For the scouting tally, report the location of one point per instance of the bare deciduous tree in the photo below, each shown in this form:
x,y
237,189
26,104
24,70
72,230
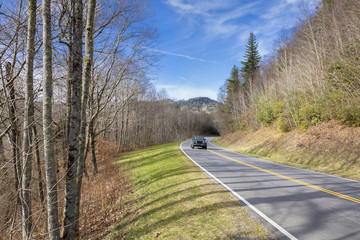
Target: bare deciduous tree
x,y
88,63
73,148
49,158
29,120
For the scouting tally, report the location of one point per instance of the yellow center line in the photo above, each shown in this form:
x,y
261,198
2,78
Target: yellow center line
x,y
293,179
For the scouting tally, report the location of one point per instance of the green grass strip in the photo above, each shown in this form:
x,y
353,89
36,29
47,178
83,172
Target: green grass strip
x,y
174,199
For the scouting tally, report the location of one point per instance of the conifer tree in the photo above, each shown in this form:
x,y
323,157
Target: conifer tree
x,y
252,56
233,83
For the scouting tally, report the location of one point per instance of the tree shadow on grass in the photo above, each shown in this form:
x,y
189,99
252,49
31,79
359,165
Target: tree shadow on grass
x,y
167,205
161,175
145,161
207,209
174,194
173,185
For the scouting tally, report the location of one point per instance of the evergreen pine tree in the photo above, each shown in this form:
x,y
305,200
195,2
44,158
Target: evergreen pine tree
x,y
233,83
252,57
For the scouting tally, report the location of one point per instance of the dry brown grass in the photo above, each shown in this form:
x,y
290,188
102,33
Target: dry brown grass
x,y
101,197
102,201
330,147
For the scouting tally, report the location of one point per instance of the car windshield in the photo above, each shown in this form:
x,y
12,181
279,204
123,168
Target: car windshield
x,y
198,138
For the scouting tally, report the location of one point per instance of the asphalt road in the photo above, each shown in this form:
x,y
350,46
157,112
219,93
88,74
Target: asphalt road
x,y
300,204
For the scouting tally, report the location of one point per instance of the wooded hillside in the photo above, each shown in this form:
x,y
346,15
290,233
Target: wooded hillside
x,y
73,71
312,75
203,104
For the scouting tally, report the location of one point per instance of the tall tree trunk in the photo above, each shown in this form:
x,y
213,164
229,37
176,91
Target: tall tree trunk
x,y
73,149
88,63
121,141
2,152
14,132
91,135
28,121
92,149
126,140
69,80
51,195
116,124
38,164
68,95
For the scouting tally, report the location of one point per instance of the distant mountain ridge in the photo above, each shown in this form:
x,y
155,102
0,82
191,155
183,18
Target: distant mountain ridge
x,y
203,104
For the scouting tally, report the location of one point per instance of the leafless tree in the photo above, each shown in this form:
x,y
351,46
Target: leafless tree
x,y
88,63
28,122
49,158
73,148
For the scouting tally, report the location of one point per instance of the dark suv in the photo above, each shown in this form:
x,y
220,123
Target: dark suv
x,y
198,141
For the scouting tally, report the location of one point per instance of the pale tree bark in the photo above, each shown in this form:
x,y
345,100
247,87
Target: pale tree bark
x,y
51,193
88,63
73,148
28,121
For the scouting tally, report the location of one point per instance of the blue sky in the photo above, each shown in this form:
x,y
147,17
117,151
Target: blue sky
x,y
201,40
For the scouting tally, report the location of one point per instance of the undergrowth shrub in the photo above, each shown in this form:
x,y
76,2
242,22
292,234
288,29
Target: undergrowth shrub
x,y
351,115
344,75
336,98
265,111
340,100
343,84
310,115
248,119
285,122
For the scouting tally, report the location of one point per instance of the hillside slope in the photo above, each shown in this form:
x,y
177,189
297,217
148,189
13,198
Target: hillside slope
x,y
204,104
329,147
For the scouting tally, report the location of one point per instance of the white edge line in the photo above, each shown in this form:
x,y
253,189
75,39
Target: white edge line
x,y
269,220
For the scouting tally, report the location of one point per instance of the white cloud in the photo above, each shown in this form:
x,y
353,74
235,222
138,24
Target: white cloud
x,y
294,1
212,20
183,78
180,6
202,7
216,18
179,92
223,18
182,55
263,48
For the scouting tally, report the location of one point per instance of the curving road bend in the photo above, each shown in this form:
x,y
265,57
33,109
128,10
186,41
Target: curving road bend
x,y
301,204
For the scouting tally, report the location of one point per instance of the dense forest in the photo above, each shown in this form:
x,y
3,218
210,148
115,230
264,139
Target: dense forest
x,y
312,75
74,71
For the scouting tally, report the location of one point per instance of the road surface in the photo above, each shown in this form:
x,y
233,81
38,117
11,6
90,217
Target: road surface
x,y
300,204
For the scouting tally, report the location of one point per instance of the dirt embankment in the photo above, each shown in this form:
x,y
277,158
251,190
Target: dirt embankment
x,y
330,147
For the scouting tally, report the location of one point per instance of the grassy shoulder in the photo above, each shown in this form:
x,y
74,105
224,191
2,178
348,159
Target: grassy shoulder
x,y
173,199
329,148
